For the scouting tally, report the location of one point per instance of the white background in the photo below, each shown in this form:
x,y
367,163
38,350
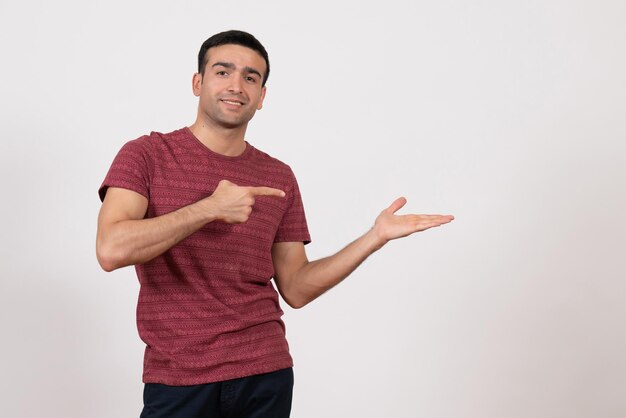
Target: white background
x,y
508,114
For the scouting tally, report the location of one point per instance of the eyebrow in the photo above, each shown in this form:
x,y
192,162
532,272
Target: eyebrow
x,y
230,65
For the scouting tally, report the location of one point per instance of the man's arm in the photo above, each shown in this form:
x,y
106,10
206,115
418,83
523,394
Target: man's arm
x,y
300,281
125,238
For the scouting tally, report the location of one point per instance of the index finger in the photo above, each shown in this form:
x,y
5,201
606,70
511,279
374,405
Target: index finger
x,y
266,191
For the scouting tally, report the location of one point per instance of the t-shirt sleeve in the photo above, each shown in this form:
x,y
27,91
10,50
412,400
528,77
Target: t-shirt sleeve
x,y
293,226
130,169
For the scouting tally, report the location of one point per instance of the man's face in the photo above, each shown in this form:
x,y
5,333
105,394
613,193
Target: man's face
x,y
230,90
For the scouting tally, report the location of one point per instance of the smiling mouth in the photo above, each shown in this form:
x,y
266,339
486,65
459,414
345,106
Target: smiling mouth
x,y
232,102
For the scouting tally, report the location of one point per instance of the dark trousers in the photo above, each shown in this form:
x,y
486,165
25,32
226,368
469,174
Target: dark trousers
x,y
261,396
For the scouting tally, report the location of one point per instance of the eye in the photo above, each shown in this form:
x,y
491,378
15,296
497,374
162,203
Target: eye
x,y
251,79
222,72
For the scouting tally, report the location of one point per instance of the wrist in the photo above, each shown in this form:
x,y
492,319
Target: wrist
x,y
374,237
209,209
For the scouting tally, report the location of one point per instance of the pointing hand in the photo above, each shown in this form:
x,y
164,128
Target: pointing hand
x,y
233,203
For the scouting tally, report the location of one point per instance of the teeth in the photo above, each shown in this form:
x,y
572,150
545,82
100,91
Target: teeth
x,y
232,103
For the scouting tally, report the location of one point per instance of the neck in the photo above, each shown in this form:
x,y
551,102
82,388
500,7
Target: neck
x,y
222,140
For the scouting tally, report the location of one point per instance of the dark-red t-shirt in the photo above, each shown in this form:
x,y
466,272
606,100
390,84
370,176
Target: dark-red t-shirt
x,y
207,308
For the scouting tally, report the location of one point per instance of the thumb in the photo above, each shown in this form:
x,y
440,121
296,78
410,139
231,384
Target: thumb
x,y
396,205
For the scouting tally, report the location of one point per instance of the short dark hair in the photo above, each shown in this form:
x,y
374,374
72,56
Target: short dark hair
x,y
233,37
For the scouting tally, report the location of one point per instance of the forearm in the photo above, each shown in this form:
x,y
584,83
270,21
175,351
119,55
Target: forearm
x,y
316,277
124,238
301,281
131,242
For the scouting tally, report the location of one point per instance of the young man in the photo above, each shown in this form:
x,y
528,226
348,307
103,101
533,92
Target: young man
x,y
208,220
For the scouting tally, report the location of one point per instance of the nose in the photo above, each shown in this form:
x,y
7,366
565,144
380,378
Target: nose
x,y
235,84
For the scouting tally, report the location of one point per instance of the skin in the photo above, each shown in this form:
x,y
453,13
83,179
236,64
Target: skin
x,y
234,73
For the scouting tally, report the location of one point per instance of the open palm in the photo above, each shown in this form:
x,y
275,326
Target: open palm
x,y
390,226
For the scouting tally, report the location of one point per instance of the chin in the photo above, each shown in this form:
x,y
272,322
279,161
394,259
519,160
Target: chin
x,y
231,124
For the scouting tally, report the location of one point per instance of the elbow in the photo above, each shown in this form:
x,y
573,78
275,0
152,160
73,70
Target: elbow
x,y
299,297
296,302
107,258
297,305
106,265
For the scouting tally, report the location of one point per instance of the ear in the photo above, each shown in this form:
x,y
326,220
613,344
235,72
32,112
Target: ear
x,y
196,84
263,91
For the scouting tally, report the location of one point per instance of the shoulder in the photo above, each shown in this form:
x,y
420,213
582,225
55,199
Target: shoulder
x,y
152,143
272,163
143,144
154,138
